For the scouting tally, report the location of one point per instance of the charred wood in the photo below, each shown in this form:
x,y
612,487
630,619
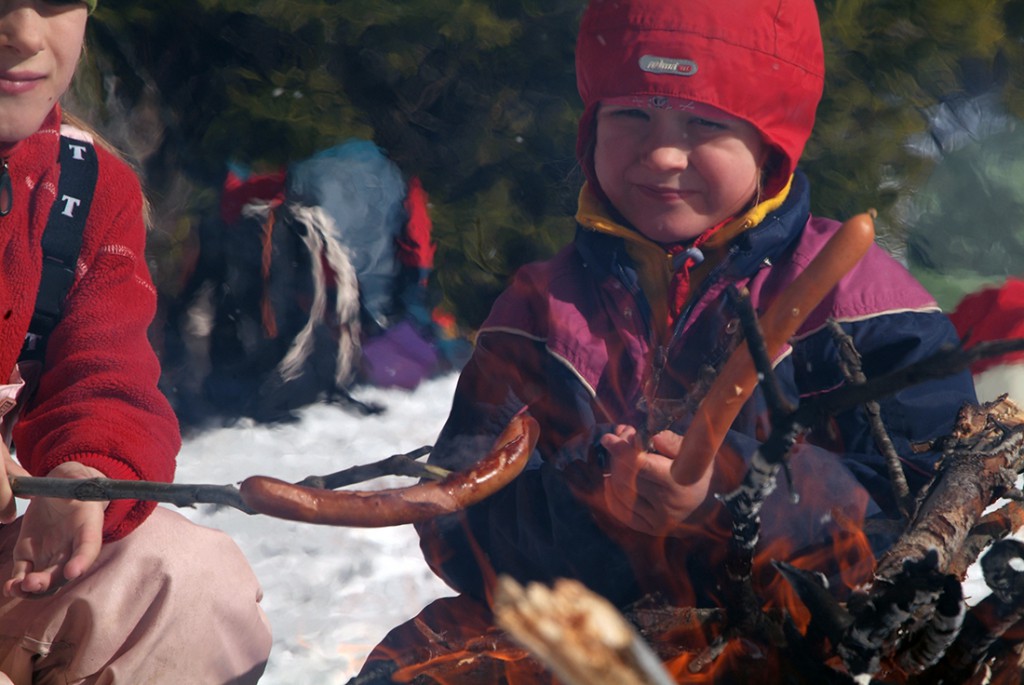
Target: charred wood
x,y
998,612
992,527
938,635
889,608
829,618
980,462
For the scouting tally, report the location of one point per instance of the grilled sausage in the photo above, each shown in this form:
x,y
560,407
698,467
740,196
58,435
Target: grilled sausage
x,y
397,506
738,378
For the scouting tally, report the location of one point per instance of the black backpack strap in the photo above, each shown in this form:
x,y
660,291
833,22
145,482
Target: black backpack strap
x,y
62,238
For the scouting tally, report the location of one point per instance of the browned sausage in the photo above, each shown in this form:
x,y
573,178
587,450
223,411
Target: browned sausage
x,y
382,508
738,378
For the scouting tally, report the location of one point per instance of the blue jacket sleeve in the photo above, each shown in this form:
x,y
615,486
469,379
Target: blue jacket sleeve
x,y
913,417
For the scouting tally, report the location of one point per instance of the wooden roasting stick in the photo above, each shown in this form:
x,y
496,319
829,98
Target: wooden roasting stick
x,y
272,497
738,377
381,508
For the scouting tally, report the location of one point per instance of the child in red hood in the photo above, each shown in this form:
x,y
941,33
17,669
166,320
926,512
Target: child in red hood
x,y
696,113
118,592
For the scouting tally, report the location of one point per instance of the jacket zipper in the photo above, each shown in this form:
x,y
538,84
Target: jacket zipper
x,y
6,190
659,359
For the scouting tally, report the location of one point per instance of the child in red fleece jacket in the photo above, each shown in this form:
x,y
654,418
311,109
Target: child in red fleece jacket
x,y
81,601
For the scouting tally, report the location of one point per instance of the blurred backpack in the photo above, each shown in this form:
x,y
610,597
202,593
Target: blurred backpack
x,y
310,263
362,192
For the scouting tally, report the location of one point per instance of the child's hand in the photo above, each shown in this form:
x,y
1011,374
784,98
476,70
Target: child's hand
x,y
639,491
59,539
8,467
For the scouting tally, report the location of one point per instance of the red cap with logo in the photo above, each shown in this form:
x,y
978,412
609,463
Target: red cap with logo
x,y
759,60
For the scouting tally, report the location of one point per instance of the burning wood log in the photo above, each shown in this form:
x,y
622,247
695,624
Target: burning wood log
x,y
940,632
980,463
886,611
913,611
989,621
579,635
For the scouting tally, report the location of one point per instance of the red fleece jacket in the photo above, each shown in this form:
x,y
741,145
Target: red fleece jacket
x,y
97,401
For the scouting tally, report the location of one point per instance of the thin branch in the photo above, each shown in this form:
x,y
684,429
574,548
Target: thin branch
x,y
395,465
189,494
107,489
940,365
850,363
778,405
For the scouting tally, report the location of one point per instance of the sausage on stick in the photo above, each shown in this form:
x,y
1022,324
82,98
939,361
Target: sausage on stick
x,y
397,506
738,377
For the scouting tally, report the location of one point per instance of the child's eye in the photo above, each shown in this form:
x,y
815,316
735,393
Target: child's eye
x,y
629,113
709,124
62,3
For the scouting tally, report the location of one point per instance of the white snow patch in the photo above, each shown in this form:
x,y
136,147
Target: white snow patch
x,y
331,594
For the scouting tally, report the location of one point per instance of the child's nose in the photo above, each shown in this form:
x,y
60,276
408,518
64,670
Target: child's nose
x,y
668,156
667,147
20,30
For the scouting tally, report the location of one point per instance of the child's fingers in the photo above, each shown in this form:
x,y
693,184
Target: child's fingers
x,y
88,542
8,505
623,451
8,467
667,443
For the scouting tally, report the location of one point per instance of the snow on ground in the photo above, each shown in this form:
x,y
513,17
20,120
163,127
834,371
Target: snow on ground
x,y
330,593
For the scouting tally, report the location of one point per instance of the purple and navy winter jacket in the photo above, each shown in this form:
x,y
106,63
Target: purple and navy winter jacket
x,y
571,340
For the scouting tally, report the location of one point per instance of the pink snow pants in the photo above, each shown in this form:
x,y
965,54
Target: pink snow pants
x,y
173,602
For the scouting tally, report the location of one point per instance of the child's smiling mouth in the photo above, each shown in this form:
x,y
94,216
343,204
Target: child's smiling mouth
x,y
15,83
664,193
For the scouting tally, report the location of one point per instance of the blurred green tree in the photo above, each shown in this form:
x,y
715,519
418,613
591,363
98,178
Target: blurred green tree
x,y
478,99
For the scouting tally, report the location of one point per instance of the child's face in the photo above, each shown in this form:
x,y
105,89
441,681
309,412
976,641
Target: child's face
x,y
674,173
40,43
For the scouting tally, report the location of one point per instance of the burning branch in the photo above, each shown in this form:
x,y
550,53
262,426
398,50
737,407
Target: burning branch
x,y
912,618
991,618
980,463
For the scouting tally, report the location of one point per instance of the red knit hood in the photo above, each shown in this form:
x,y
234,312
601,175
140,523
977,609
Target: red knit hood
x,y
759,60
